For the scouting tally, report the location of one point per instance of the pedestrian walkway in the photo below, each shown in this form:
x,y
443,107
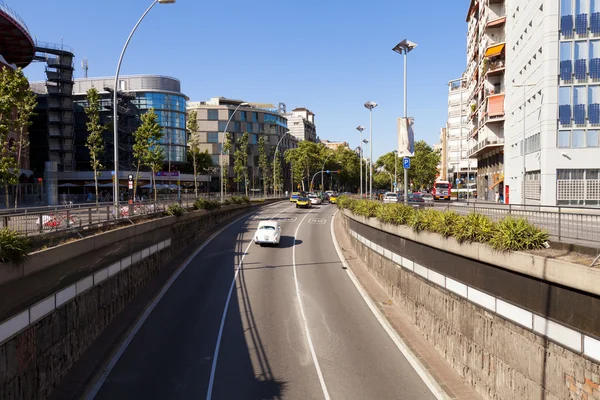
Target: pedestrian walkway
x,y
437,367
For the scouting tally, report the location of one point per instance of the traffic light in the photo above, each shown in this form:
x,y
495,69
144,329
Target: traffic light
x,y
339,170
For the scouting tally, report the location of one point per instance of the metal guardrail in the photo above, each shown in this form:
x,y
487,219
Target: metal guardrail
x,y
41,220
568,224
16,17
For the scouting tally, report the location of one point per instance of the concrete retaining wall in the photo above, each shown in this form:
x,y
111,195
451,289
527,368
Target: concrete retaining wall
x,y
41,342
503,349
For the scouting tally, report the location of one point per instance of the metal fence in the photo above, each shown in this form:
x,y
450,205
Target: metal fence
x,y
40,220
564,223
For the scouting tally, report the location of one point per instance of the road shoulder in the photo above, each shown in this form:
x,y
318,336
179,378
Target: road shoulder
x,y
432,365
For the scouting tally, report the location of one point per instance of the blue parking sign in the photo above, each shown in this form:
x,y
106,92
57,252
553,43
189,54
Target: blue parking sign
x,y
406,162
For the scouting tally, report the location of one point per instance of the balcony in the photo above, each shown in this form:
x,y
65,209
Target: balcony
x,y
485,146
496,23
495,68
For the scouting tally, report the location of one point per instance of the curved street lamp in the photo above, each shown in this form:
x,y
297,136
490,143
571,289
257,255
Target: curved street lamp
x,y
115,113
366,142
360,129
222,143
370,105
274,154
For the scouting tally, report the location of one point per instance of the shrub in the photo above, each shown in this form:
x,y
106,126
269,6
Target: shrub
x,y
474,228
13,247
397,214
424,220
202,204
175,209
236,200
226,202
446,223
517,234
343,202
246,200
366,208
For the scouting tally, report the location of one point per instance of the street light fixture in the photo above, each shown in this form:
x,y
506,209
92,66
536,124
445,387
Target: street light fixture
x,y
115,113
222,143
360,129
395,171
274,160
524,86
370,105
366,142
405,47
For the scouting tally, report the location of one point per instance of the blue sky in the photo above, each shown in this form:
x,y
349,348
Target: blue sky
x,y
328,56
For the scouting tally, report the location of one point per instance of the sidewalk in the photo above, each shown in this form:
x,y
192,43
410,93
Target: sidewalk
x,y
437,367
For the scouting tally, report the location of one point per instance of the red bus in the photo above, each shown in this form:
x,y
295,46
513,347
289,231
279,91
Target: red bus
x,y
441,190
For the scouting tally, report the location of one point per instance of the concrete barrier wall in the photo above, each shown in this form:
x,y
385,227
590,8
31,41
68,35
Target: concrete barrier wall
x,y
504,349
41,342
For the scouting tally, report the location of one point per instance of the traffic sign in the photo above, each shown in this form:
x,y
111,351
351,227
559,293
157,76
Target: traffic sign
x,y
406,162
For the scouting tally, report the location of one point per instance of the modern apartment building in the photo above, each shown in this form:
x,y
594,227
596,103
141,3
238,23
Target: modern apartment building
x,y
459,169
256,119
301,122
485,81
334,145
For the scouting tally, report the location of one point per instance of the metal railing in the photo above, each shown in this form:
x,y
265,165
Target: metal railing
x,y
569,224
12,14
32,221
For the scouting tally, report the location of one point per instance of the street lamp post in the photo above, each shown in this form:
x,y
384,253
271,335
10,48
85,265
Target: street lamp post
x,y
322,178
366,142
395,171
274,154
524,86
115,113
404,47
360,129
370,105
222,143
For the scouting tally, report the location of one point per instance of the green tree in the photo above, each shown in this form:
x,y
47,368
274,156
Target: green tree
x,y
306,158
348,162
276,171
147,150
224,171
11,85
194,144
240,164
423,165
263,164
94,141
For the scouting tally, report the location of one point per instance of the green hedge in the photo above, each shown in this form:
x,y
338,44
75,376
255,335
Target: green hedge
x,y
202,204
507,234
13,247
175,209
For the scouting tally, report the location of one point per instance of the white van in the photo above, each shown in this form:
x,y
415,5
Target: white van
x,y
268,232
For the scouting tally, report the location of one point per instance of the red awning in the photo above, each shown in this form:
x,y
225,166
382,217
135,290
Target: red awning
x,y
496,22
496,105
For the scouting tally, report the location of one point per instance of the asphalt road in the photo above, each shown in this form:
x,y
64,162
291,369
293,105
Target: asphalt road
x,y
295,325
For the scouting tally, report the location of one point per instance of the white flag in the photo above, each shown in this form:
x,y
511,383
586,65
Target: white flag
x,y
406,137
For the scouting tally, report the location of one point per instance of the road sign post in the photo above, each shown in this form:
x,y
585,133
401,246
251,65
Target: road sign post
x,y
406,162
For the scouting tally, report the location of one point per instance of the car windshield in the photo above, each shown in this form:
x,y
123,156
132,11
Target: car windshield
x,y
312,196
390,195
441,185
267,228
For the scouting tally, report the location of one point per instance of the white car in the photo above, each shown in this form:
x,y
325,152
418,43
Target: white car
x,y
314,199
390,197
268,232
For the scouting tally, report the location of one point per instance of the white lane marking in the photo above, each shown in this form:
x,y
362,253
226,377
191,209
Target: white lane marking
x,y
98,385
308,337
213,369
431,384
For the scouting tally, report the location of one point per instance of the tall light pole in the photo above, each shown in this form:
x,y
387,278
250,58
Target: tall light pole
x,y
395,171
524,86
274,154
404,47
360,129
222,143
322,168
366,142
115,113
370,105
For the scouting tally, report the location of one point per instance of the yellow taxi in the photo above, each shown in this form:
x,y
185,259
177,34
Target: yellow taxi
x,y
303,202
294,197
333,198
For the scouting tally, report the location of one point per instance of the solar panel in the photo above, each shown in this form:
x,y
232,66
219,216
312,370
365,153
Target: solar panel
x,y
566,25
581,24
566,70
595,68
564,114
580,69
594,113
595,23
579,114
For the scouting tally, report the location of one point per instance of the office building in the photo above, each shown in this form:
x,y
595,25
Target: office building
x,y
256,119
484,77
334,145
301,122
459,169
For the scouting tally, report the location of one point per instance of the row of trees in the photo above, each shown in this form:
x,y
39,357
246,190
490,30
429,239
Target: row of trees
x,y
17,104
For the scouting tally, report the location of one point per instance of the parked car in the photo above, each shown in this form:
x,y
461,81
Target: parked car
x,y
268,232
390,197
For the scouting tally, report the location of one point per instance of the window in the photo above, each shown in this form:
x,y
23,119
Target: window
x,y
581,6
213,115
249,127
215,159
564,139
254,117
533,187
230,114
577,187
237,126
532,143
253,139
578,138
566,63
222,126
591,138
594,6
212,137
564,105
242,115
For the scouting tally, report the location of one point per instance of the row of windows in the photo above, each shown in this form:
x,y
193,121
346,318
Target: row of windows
x,y
578,138
213,137
578,7
171,119
579,95
163,101
532,143
578,186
